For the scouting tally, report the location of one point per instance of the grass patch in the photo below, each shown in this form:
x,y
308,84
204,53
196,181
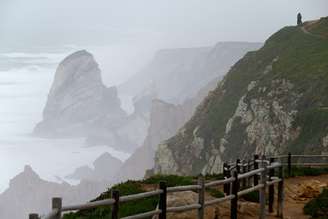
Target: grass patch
x,y
306,171
252,197
215,193
126,209
318,207
133,187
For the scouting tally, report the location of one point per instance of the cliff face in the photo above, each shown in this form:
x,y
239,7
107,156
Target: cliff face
x,y
178,74
272,101
78,99
28,193
165,121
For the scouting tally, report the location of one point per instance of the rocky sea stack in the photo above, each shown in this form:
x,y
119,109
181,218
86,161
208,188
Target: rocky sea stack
x,y
78,100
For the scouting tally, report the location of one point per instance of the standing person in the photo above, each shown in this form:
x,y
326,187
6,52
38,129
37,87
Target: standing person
x,y
299,19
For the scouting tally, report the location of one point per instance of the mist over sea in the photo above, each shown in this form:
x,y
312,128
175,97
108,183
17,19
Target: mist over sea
x,y
25,80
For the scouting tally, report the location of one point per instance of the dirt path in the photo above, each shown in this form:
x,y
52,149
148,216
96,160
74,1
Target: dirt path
x,y
298,191
295,198
307,25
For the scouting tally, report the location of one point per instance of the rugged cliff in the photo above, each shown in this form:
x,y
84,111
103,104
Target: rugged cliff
x,y
272,101
78,101
165,120
80,105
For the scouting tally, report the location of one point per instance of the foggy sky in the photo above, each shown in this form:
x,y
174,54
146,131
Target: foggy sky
x,y
143,26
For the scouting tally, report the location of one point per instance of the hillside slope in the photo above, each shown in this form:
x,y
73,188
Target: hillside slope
x,y
271,101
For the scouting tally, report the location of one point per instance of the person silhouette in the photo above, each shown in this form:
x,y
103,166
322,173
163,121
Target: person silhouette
x,y
299,19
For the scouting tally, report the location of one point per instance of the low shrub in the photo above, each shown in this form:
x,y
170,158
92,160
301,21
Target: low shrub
x,y
306,171
252,197
318,207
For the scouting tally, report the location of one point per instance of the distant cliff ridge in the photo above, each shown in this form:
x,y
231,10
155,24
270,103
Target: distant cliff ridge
x,y
28,193
104,168
178,74
272,101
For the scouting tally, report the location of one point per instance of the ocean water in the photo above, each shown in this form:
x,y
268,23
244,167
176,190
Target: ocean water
x,y
25,79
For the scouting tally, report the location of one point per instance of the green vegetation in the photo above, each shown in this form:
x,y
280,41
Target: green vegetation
x,y
307,171
215,192
315,126
128,188
252,197
321,28
318,207
126,209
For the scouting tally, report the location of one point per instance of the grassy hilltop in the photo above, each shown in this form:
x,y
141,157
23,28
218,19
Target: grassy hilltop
x,y
272,101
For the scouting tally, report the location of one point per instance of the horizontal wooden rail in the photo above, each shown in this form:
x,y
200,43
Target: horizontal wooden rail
x,y
250,173
262,161
182,188
299,155
309,156
249,190
219,182
306,164
273,181
274,165
184,208
89,205
139,196
219,200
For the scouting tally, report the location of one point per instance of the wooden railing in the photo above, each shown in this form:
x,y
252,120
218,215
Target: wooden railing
x,y
240,179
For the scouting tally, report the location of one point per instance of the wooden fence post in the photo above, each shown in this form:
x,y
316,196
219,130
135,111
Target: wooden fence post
x,y
225,186
234,201
162,200
57,205
280,193
256,166
116,205
33,216
244,168
248,169
289,164
262,190
228,176
238,166
201,197
271,187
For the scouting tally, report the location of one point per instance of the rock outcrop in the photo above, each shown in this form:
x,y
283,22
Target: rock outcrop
x,y
270,102
166,119
28,193
78,101
105,167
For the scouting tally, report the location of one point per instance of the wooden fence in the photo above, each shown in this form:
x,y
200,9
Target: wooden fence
x,y
240,178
